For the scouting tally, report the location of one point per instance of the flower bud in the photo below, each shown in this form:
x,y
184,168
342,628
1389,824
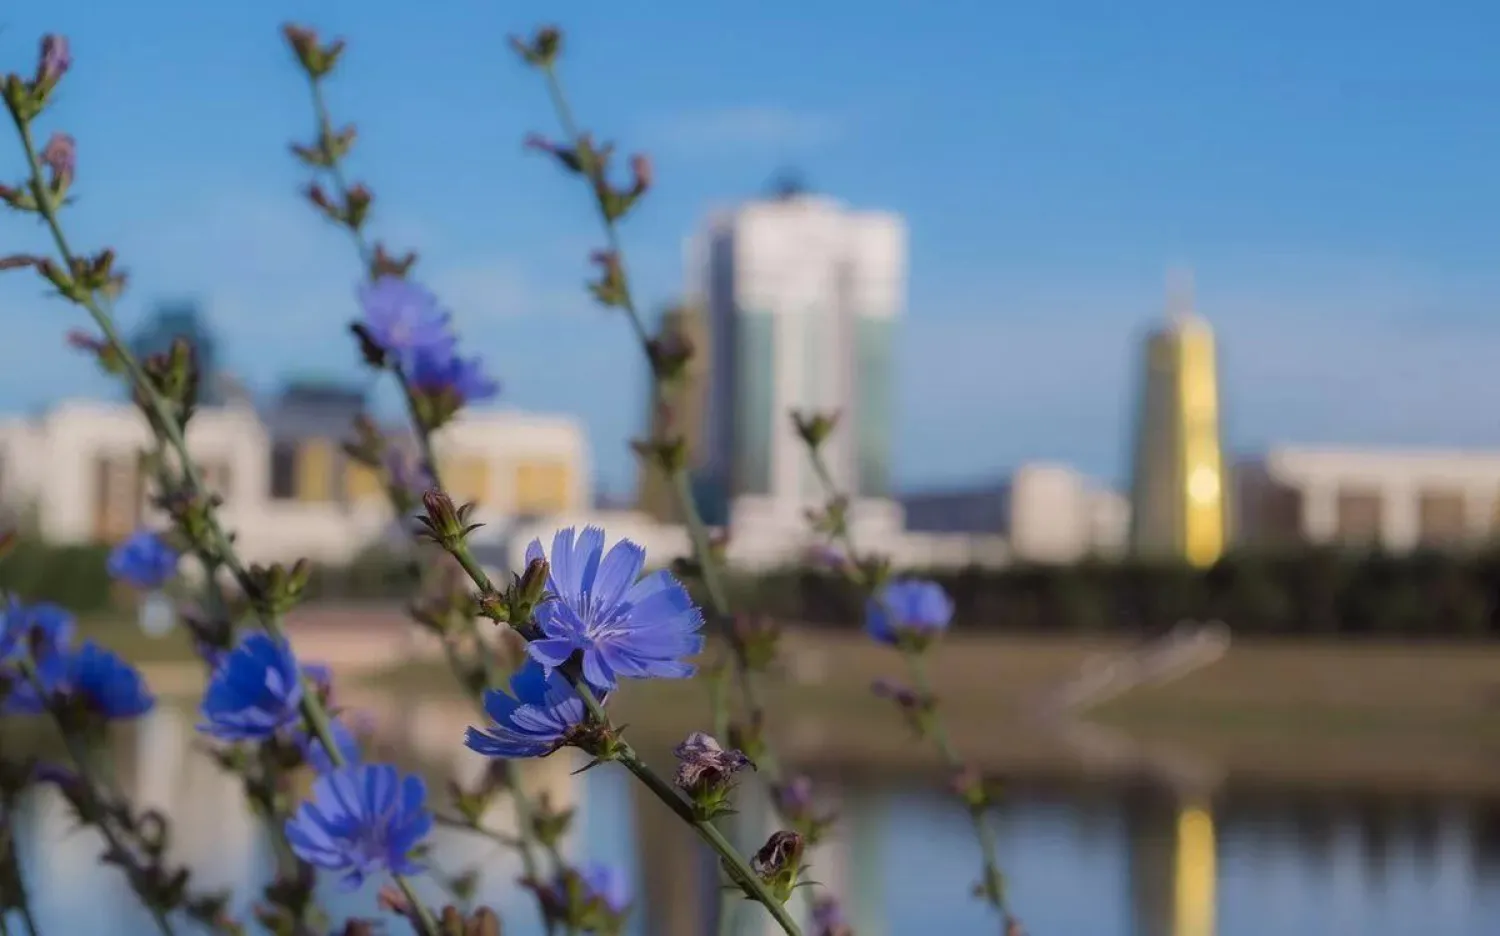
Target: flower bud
x,y
60,156
706,773
670,353
759,638
55,60
550,825
778,864
277,589
383,264
356,207
445,523
542,49
531,588
609,289
316,60
814,428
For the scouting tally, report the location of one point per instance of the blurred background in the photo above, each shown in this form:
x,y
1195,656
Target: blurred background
x,y
1164,338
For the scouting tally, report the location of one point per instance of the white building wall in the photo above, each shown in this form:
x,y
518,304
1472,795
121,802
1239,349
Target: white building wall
x,y
50,462
1398,476
816,268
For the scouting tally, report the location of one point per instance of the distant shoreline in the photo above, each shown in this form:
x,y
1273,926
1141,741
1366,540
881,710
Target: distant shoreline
x,y
1324,712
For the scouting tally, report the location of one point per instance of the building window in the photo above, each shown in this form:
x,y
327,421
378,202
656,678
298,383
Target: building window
x,y
1441,518
467,478
218,478
362,483
283,470
1359,517
1281,520
315,471
755,407
542,488
873,409
117,497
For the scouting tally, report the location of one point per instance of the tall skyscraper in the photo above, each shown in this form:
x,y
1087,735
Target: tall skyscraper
x,y
802,296
685,400
1177,490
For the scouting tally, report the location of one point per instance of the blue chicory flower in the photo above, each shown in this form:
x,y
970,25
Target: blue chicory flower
x,y
908,609
42,628
105,685
533,720
144,560
440,372
623,626
404,319
363,819
255,691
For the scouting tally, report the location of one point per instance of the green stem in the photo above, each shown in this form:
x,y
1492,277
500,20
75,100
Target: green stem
x,y
937,730
166,423
520,802
739,869
686,504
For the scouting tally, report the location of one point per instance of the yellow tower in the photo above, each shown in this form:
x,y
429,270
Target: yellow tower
x,y
1177,491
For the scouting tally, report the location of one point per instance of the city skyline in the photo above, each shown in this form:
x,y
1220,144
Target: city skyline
x,y
1348,279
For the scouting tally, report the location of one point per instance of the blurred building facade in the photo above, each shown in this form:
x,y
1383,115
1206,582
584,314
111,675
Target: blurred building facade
x,y
1395,500
1047,513
802,296
683,416
1177,493
289,490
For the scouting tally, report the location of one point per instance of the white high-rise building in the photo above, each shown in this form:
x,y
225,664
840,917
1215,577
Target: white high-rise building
x,y
802,296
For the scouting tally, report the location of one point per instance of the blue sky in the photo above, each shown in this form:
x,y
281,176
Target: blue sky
x,y
1330,171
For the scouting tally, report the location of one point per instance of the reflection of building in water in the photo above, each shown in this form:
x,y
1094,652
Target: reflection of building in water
x,y
682,878
1173,867
212,832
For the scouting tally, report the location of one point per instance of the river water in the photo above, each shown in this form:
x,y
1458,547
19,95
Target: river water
x,y
1084,858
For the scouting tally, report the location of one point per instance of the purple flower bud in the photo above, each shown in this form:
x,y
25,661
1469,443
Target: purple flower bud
x,y
706,772
778,864
55,61
61,156
828,918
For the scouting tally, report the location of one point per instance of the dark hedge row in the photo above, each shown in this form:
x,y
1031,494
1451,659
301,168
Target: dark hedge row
x,y
1312,592
74,576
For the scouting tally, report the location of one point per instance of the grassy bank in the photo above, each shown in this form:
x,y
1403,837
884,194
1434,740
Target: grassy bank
x,y
1335,712
1317,709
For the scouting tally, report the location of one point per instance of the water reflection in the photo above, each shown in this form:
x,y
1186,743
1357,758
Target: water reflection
x,y
1101,859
